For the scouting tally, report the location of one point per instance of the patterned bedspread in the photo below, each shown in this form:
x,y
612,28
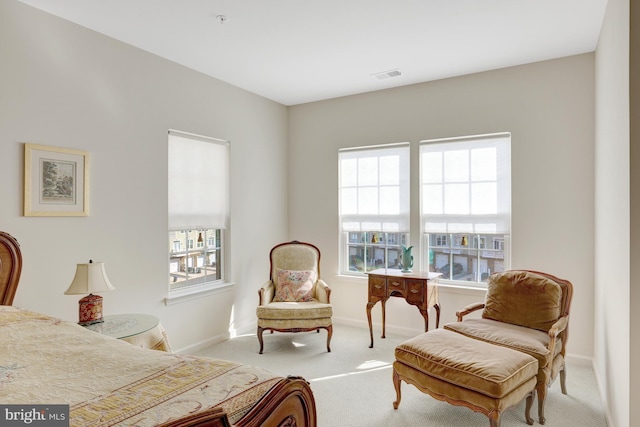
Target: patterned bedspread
x,y
107,382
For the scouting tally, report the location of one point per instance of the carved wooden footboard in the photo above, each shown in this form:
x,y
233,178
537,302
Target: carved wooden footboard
x,y
10,267
213,417
289,403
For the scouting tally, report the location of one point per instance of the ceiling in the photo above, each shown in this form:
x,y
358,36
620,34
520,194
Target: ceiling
x,y
296,51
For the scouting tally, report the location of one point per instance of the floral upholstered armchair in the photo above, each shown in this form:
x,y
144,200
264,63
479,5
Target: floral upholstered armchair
x,y
527,311
295,298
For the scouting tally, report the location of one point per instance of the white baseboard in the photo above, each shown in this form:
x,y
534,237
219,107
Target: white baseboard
x,y
203,344
578,360
249,329
377,327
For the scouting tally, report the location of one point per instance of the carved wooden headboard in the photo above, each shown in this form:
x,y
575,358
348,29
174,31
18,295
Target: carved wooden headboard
x,y
10,267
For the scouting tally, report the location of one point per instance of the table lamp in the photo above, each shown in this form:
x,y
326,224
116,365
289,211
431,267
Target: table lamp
x,y
90,278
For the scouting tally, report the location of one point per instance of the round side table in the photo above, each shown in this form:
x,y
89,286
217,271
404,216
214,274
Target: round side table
x,y
142,330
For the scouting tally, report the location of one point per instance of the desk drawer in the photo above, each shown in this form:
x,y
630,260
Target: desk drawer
x,y
416,290
396,286
378,286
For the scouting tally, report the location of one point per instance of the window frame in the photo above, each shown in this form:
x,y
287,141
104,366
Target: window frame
x,y
217,223
449,232
367,222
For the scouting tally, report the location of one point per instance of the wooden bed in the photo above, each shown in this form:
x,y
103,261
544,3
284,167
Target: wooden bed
x,y
108,382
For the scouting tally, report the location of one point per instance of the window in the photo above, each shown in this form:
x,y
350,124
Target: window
x,y
374,206
198,210
189,265
466,205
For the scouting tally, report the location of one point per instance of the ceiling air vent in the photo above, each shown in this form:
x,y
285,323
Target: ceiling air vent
x,y
387,74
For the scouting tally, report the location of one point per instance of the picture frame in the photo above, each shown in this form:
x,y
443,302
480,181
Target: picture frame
x,y
56,181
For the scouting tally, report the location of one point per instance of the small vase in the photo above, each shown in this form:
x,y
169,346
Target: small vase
x,y
407,259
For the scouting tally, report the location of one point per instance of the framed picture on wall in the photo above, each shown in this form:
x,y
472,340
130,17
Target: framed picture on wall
x,y
56,181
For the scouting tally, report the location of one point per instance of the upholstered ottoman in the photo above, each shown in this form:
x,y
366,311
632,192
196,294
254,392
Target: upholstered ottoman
x,y
466,372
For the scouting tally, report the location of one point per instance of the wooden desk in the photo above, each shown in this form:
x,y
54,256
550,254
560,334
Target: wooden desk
x,y
417,288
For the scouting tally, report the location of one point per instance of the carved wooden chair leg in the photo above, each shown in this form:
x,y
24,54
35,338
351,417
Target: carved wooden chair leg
x,y
260,330
563,379
494,422
541,389
396,385
329,334
527,409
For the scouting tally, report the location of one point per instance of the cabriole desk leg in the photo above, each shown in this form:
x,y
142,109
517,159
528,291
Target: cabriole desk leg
x,y
369,306
425,316
384,322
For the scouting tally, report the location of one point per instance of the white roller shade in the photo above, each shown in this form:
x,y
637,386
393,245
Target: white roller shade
x,y
198,182
374,188
466,184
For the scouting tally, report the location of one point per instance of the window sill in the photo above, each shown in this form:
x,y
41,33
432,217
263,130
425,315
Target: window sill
x,y
195,292
352,276
461,288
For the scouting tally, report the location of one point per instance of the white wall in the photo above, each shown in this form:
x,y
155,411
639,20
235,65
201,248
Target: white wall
x,y
63,85
612,213
634,121
549,109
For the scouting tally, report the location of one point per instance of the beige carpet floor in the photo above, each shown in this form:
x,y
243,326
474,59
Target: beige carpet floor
x,y
352,385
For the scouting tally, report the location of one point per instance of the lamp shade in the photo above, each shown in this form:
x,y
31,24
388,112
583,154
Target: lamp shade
x,y
90,278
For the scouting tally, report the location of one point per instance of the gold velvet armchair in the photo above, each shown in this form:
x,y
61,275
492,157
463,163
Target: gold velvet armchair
x,y
295,298
526,311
